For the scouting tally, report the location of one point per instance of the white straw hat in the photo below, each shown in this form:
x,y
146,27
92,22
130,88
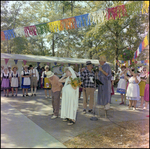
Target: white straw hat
x,y
49,74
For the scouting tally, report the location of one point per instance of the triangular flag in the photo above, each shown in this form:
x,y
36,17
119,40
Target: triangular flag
x,y
24,61
16,61
6,61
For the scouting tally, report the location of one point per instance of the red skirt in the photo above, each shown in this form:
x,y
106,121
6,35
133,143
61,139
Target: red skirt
x,y
112,90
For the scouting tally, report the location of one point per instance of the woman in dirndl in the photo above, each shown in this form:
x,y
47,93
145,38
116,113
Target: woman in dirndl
x,y
14,79
45,82
5,79
25,74
142,84
146,93
122,84
133,93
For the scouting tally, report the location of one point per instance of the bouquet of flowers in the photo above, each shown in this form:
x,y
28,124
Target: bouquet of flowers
x,y
75,82
127,54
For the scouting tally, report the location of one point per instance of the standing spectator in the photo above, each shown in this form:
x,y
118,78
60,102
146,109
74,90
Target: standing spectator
x,y
2,68
40,74
80,88
87,77
42,70
25,74
112,84
133,93
122,84
45,82
146,93
10,71
14,79
56,89
5,81
34,79
142,84
104,91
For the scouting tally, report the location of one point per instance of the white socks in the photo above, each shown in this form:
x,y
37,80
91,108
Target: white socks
x,y
34,90
31,90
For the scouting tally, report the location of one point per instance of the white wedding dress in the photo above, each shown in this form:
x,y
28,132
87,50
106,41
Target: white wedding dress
x,y
69,104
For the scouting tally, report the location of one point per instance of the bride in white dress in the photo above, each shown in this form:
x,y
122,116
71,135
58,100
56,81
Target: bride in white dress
x,y
69,104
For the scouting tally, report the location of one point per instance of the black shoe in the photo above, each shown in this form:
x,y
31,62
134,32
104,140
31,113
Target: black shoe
x,y
34,94
65,120
23,96
7,95
31,95
84,111
12,95
4,95
27,95
16,95
71,123
90,110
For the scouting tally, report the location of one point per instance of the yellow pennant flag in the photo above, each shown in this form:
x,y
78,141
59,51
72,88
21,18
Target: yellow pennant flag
x,y
145,7
51,26
145,42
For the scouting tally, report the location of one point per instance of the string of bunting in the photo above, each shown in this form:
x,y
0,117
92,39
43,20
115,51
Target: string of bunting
x,y
68,23
141,47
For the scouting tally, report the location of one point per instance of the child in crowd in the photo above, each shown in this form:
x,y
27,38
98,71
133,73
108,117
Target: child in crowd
x,y
122,84
133,93
15,80
5,81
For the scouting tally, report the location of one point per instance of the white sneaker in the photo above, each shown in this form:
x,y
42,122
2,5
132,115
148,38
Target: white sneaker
x,y
107,106
45,96
53,117
133,109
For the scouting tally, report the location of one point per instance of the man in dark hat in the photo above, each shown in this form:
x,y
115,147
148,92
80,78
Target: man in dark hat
x,y
87,79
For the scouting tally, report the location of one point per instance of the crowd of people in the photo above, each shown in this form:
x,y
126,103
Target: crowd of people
x,y
137,86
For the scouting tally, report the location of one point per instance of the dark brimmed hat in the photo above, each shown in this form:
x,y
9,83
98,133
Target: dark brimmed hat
x,y
123,67
88,63
30,66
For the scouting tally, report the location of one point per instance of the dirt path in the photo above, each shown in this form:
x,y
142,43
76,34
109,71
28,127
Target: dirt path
x,y
135,135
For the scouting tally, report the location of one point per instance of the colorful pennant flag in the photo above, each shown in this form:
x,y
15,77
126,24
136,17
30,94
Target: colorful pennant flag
x,y
19,32
24,61
6,61
30,31
9,34
16,61
2,35
42,28
145,7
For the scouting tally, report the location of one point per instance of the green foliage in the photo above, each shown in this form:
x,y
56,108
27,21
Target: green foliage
x,y
127,54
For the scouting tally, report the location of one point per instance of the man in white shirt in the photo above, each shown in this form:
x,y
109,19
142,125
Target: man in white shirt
x,y
34,79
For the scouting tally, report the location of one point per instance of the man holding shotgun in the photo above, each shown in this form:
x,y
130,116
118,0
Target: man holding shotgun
x,y
88,84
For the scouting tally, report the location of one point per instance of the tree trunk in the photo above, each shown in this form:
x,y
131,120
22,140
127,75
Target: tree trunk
x,y
53,46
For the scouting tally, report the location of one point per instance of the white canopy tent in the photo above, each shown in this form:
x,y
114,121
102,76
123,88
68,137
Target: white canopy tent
x,y
41,59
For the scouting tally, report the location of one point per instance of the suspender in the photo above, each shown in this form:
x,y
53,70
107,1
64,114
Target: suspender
x,y
5,76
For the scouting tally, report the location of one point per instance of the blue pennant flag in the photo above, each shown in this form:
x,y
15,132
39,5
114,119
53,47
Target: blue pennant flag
x,y
140,48
78,21
85,16
16,61
38,63
55,63
9,34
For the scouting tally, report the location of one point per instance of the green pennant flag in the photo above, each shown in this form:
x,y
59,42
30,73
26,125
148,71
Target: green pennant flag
x,y
42,28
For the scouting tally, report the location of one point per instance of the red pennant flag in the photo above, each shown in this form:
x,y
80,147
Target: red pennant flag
x,y
2,36
24,61
6,61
